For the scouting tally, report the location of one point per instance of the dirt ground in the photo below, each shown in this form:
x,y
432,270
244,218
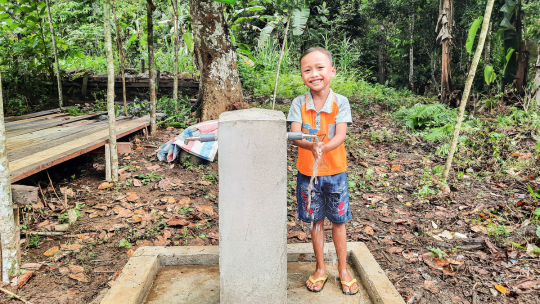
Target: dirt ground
x,y
412,224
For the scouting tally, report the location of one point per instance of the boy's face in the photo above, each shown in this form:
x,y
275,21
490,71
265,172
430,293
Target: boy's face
x,y
317,71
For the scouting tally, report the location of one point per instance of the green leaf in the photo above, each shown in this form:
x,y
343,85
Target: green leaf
x,y
256,8
188,38
538,231
506,24
265,33
537,212
508,56
489,74
299,20
472,33
231,2
4,15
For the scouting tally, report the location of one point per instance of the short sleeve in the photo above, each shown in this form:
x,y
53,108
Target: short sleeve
x,y
344,113
295,112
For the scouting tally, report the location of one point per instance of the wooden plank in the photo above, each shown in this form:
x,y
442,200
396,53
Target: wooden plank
x,y
16,132
35,119
26,144
47,158
24,195
31,115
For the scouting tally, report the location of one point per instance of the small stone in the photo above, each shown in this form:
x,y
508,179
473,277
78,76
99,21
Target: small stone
x,y
434,225
61,227
459,235
72,216
494,292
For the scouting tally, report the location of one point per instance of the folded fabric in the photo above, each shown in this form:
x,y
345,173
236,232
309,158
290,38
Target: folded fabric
x,y
169,150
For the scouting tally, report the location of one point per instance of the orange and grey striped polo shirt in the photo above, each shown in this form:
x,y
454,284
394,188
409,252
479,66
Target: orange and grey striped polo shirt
x,y
336,110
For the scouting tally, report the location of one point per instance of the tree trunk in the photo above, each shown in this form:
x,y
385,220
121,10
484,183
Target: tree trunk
x,y
280,58
446,20
411,54
176,46
468,85
220,85
110,89
57,67
151,65
382,76
8,229
487,55
121,55
537,78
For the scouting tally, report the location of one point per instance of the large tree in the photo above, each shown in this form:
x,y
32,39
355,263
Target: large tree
x,y
444,28
215,57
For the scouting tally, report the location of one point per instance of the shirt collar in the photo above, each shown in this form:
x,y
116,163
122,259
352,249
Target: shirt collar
x,y
327,104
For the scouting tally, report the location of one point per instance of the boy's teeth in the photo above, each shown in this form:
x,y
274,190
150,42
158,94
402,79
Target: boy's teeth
x,y
316,81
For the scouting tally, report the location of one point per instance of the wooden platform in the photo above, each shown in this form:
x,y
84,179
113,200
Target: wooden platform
x,y
41,140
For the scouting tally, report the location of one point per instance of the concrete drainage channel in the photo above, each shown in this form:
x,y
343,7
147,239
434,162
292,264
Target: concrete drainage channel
x,y
190,274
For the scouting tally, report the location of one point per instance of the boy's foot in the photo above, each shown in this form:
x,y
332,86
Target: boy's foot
x,y
346,277
316,286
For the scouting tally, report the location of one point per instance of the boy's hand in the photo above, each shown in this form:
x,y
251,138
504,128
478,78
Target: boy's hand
x,y
316,149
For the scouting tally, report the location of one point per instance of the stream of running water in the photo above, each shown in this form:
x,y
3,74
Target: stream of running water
x,y
313,180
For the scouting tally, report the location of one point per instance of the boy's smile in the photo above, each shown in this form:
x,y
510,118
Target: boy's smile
x,y
317,71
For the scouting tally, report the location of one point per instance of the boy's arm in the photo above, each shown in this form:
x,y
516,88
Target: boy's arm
x,y
338,139
304,144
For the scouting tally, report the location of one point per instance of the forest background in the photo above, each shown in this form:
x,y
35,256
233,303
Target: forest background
x,y
378,46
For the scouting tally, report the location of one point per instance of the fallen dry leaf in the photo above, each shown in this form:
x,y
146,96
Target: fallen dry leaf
x,y
132,196
447,270
105,185
177,222
171,200
32,266
129,253
64,270
500,288
395,249
184,201
142,243
363,164
208,210
161,241
72,292
212,234
299,234
79,277
74,247
369,230
51,251
66,191
395,168
76,268
137,183
22,279
527,284
205,183
429,285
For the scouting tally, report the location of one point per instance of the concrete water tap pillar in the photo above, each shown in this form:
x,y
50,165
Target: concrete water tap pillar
x,y
253,206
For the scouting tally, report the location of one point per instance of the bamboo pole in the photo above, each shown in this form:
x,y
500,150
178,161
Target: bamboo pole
x,y
8,228
281,57
151,65
121,55
110,89
175,64
56,65
468,85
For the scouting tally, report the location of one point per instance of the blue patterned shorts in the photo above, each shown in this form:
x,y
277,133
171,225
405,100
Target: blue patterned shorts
x,y
330,198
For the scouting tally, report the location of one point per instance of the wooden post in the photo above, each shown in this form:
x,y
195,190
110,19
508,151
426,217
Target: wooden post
x,y
175,63
84,84
143,69
8,231
150,8
108,163
110,90
56,65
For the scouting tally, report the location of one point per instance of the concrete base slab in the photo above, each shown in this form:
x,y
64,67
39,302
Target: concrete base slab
x,y
200,285
191,275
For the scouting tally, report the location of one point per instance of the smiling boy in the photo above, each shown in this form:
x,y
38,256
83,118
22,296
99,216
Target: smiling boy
x,y
327,114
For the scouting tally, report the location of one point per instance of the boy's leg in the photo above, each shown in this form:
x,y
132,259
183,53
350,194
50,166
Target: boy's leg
x,y
317,238
339,236
338,211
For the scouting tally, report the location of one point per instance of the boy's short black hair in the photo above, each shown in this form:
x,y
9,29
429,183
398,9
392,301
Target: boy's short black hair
x,y
319,49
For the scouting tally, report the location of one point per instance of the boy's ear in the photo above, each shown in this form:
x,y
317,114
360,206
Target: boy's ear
x,y
333,71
